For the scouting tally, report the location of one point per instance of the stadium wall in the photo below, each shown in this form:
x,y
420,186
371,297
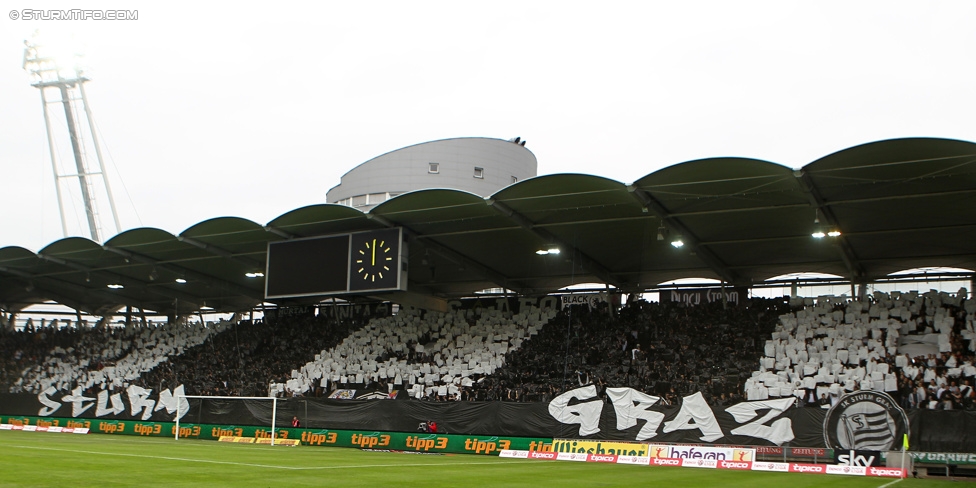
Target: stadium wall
x,y
371,439
626,415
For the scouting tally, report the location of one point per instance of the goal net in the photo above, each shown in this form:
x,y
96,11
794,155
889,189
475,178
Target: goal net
x,y
273,400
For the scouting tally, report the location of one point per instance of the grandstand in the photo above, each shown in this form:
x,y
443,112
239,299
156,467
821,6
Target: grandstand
x,y
532,364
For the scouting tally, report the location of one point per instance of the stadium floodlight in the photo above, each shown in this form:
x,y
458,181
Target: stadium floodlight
x,y
256,274
553,250
833,233
180,281
55,65
542,252
678,242
115,286
818,229
52,60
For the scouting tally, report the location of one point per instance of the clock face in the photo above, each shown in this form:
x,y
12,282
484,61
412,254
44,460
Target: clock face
x,y
374,260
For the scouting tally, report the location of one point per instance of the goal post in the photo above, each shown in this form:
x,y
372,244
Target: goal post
x,y
274,409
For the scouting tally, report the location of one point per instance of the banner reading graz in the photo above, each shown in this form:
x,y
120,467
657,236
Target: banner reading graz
x,y
622,414
396,441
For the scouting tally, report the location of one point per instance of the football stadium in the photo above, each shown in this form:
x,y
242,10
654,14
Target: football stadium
x,y
451,313
563,327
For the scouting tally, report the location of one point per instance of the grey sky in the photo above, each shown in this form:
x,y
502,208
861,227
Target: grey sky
x,y
254,111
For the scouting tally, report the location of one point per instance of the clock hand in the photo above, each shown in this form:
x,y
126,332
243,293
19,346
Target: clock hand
x,y
374,252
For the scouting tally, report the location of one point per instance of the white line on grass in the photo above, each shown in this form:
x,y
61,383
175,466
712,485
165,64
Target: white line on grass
x,y
209,461
886,485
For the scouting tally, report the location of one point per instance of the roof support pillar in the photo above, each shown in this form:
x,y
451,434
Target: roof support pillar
x,y
850,259
691,240
278,232
219,251
232,287
585,261
448,253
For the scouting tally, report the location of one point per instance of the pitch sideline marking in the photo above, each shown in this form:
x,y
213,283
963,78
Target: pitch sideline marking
x,y
299,468
886,485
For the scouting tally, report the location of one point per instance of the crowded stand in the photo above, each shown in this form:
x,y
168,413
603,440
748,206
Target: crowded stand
x,y
241,360
918,348
433,355
64,357
486,355
222,358
666,349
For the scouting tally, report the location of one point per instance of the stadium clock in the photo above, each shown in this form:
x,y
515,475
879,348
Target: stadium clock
x,y
375,260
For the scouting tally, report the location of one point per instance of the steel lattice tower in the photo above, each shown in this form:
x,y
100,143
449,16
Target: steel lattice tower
x,y
62,75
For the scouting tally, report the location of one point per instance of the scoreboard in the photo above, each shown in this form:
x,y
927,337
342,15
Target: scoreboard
x,y
371,261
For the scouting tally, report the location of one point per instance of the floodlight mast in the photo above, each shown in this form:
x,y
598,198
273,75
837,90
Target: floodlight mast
x,y
46,71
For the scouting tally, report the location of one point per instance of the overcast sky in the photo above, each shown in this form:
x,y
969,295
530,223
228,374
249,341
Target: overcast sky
x,y
252,112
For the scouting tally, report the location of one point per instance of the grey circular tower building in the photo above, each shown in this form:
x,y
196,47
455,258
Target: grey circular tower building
x,y
479,165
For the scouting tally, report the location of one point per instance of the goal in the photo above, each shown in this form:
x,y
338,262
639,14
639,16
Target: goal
x,y
274,409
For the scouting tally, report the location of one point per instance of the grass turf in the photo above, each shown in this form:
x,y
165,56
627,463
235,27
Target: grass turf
x,y
35,459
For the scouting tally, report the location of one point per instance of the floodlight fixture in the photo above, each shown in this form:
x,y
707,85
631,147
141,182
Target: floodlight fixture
x,y
181,281
255,274
818,231
51,61
115,286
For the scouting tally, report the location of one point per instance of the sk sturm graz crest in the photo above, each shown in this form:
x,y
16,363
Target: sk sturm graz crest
x,y
867,420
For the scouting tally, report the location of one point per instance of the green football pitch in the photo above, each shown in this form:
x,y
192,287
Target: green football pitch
x,y
34,459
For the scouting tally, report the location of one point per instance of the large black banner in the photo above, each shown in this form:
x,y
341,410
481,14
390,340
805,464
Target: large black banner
x,y
860,421
733,296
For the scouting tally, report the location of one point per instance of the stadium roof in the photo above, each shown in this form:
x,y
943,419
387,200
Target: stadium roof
x,y
898,204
